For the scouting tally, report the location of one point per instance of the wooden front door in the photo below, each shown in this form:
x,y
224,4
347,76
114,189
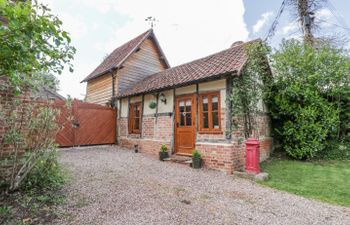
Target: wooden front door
x,y
185,109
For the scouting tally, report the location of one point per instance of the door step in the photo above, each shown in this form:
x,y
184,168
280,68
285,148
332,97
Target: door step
x,y
179,159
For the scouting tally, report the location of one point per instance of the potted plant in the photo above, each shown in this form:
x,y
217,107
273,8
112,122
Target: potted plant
x,y
196,159
163,152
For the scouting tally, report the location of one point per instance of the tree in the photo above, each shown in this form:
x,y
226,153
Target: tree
x,y
306,96
33,47
32,43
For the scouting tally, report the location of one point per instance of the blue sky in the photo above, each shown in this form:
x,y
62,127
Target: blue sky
x,y
186,30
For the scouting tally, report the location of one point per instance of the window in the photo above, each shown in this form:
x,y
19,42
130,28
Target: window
x,y
209,113
135,118
185,107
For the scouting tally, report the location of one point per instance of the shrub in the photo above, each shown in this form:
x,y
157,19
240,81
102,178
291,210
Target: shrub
x,y
47,174
163,148
304,98
32,143
335,150
196,154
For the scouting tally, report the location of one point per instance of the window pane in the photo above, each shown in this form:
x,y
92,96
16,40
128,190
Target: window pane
x,y
182,119
215,118
205,104
205,120
188,105
137,111
214,103
136,124
182,106
188,119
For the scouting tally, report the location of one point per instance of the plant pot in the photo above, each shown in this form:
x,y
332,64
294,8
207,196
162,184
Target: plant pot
x,y
196,162
163,155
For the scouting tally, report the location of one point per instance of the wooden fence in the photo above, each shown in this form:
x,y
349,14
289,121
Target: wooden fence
x,y
86,124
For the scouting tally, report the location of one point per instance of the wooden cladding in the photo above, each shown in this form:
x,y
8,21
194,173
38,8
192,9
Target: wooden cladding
x,y
140,65
99,90
209,113
135,117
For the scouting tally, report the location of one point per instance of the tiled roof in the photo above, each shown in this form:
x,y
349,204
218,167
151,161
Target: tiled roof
x,y
228,61
120,54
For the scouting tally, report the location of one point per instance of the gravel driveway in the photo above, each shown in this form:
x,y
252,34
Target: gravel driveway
x,y
116,186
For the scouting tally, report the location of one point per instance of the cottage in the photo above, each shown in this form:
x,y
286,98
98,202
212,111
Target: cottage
x,y
186,108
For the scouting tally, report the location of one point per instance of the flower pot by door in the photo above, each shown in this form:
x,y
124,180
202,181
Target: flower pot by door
x,y
196,163
163,155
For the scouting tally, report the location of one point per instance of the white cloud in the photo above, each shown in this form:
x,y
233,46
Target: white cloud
x,y
325,18
75,25
264,18
324,14
186,29
290,27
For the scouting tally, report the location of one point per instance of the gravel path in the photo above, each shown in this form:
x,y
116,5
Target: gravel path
x,y
116,186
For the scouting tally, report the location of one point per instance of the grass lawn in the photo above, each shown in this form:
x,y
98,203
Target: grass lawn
x,y
323,180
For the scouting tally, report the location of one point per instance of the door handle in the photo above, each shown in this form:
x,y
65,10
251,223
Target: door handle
x,y
177,124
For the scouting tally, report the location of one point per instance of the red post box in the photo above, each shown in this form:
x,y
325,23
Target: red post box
x,y
252,160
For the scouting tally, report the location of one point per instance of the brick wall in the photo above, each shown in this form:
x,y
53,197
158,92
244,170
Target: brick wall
x,y
217,156
218,152
155,132
7,107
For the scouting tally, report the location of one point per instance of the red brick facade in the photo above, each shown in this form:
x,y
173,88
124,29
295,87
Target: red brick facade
x,y
155,132
8,106
218,153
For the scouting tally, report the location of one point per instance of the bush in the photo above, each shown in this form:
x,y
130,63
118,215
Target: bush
x,y
47,174
335,150
305,97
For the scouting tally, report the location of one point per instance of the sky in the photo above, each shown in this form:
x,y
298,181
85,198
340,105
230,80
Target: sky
x,y
186,29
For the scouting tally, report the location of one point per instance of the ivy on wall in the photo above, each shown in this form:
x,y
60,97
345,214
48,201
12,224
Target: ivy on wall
x,y
249,88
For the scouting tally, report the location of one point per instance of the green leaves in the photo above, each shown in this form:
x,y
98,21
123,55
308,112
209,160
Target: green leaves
x,y
304,98
32,42
250,88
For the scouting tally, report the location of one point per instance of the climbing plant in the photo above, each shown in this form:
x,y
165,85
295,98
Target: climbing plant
x,y
248,89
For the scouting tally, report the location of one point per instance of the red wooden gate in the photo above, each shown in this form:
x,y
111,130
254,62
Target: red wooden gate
x,y
86,124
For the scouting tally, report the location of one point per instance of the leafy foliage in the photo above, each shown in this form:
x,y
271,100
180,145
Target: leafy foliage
x,y
32,131
46,174
305,97
32,43
163,148
335,150
249,88
196,154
